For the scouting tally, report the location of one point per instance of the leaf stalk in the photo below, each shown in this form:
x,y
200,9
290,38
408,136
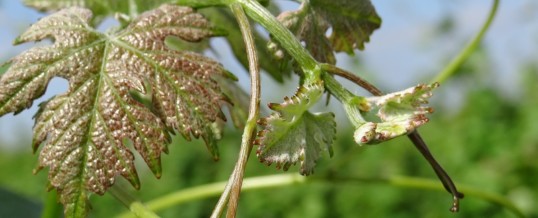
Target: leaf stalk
x,y
136,207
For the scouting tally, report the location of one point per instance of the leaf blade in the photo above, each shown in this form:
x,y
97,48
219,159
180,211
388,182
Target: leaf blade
x,y
294,135
351,21
85,132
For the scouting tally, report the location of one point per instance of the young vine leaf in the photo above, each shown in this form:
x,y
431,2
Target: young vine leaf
x,y
351,21
400,113
85,131
293,134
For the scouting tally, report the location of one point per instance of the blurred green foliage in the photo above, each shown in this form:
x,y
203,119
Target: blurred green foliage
x,y
491,144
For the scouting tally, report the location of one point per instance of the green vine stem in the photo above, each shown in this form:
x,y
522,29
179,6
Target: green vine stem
x,y
233,188
288,41
136,208
469,48
287,179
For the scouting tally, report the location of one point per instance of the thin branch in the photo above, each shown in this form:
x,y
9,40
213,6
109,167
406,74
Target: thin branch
x,y
225,195
468,50
136,207
352,77
439,171
233,188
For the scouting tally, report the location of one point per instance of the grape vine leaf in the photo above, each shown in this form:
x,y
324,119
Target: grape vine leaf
x,y
293,134
84,130
220,17
400,113
351,21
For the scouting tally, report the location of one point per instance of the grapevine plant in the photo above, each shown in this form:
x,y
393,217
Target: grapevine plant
x,y
133,86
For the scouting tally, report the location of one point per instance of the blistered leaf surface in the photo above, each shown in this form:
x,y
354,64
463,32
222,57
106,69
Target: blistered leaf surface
x,y
293,134
351,22
84,131
400,113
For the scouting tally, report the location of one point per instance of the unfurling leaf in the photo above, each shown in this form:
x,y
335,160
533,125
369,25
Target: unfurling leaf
x,y
351,22
84,130
400,113
293,134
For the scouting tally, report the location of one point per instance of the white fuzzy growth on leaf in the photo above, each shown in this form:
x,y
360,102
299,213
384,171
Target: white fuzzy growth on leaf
x,y
400,113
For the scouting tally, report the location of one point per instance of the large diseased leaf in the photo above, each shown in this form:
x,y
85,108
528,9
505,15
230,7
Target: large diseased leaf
x,y
351,23
293,134
84,131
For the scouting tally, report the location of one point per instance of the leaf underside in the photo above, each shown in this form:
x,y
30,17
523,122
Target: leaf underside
x,y
84,131
292,134
351,23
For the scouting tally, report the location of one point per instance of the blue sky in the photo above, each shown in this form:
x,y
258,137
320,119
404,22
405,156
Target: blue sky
x,y
405,51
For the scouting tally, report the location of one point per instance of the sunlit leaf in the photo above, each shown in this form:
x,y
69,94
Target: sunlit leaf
x,y
84,131
293,134
350,23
